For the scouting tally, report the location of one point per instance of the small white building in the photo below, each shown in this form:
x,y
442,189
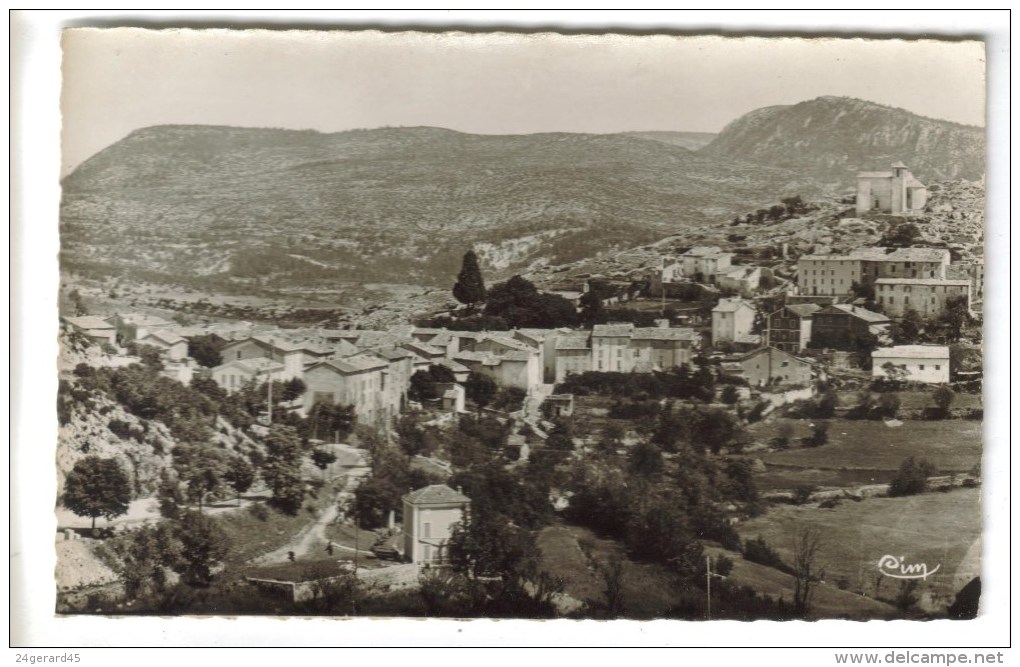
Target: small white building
x,y
234,374
702,263
921,363
732,320
95,328
744,280
430,514
174,347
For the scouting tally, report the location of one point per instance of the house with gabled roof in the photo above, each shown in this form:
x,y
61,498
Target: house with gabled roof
x,y
572,355
789,328
359,381
173,347
236,373
732,321
430,517
840,326
95,328
916,363
769,366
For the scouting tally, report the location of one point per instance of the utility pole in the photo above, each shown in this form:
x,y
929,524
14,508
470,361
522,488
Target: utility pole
x,y
708,587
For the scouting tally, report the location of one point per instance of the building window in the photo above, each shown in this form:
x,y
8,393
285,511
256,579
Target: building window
x,y
938,367
426,529
920,367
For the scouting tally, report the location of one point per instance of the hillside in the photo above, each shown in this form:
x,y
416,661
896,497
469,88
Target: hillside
x,y
832,138
227,207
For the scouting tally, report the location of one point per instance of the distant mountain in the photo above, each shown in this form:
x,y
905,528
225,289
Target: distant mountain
x,y
832,138
689,140
289,208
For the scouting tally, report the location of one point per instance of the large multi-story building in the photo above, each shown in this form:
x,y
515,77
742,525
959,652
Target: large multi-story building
x,y
789,328
835,275
843,326
926,296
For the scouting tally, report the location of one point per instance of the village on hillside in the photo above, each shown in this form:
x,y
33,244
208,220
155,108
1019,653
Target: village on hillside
x,y
584,444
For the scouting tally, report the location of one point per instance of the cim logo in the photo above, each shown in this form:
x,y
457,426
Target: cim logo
x,y
899,568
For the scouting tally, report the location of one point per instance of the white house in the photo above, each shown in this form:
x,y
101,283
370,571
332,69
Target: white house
x,y
96,328
174,347
922,363
236,373
732,320
430,514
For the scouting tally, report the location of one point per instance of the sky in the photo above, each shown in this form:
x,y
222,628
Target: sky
x,y
118,80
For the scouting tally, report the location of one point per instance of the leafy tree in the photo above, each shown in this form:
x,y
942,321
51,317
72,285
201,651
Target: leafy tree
x,y
901,236
201,468
97,487
907,330
78,303
282,468
206,350
203,544
911,478
470,287
151,356
729,395
240,475
293,389
423,383
561,436
480,388
943,397
330,420
145,558
322,458
955,316
520,304
592,311
645,460
819,435
373,500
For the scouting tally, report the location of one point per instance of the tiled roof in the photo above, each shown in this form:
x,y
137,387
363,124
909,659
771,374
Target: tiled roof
x,y
89,322
167,337
350,365
573,342
659,333
703,251
422,348
921,281
880,254
912,352
435,494
143,319
803,309
858,312
731,305
254,365
453,365
747,339
616,330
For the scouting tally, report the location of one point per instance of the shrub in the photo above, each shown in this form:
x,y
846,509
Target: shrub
x,y
802,493
912,477
759,551
259,511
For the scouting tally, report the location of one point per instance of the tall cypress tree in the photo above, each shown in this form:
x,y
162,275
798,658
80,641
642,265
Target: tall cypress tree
x,y
470,287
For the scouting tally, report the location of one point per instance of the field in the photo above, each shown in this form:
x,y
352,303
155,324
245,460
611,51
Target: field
x,y
938,529
647,590
866,452
828,600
